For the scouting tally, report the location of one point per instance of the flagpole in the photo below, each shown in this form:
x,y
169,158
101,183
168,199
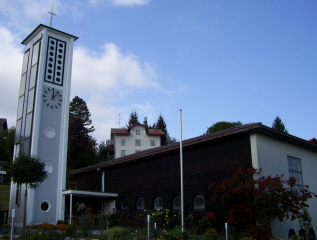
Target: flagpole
x,y
181,170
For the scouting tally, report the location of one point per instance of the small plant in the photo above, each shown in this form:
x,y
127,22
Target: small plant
x,y
117,232
70,230
211,234
296,237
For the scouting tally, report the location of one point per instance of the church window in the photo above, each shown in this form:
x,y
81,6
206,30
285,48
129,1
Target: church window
x,y
177,203
158,203
137,142
17,194
295,170
137,132
122,142
45,206
152,142
291,233
124,204
140,203
199,202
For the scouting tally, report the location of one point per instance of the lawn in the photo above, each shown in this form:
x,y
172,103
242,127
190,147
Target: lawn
x,y
4,195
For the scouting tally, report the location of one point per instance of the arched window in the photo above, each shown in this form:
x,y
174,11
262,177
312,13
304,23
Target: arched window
x,y
302,233
311,234
158,203
291,233
199,202
176,203
124,204
140,203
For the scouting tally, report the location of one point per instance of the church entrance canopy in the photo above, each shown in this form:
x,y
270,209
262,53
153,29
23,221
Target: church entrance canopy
x,y
86,194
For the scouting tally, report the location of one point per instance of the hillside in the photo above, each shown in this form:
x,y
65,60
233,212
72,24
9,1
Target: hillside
x,y
4,196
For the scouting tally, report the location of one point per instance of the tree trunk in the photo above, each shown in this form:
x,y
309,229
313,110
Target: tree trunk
x,y
24,213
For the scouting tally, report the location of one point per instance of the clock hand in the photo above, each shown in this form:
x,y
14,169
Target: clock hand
x,y
55,95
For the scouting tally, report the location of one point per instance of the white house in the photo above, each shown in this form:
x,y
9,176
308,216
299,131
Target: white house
x,y
134,139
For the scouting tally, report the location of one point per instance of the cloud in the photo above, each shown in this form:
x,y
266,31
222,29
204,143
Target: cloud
x,y
104,80
11,62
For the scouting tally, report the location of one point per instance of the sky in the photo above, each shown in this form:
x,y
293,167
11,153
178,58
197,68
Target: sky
x,y
217,60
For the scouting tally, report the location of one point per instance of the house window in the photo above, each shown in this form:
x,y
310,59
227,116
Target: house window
x,y
158,203
177,203
122,153
137,142
152,142
199,202
140,203
124,204
122,142
295,170
137,151
137,132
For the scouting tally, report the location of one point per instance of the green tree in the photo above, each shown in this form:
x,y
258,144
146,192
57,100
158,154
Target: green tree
x,y
20,171
134,119
160,124
221,126
256,202
102,152
145,123
279,125
78,109
81,146
7,144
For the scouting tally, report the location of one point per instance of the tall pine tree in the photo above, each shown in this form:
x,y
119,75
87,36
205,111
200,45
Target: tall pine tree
x,y
279,125
81,146
134,119
160,124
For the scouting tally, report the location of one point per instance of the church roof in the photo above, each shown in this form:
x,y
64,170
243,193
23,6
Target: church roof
x,y
239,130
39,28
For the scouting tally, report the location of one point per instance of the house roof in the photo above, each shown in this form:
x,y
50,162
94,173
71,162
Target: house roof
x,y
126,131
3,123
239,130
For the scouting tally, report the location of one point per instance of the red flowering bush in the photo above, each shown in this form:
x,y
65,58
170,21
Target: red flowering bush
x,y
211,219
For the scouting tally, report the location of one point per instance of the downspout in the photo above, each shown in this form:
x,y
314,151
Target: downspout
x,y
103,182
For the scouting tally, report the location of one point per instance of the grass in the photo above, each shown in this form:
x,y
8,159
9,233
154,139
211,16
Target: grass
x,y
4,195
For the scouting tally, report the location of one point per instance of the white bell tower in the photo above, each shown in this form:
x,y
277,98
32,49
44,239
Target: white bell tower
x,y
42,121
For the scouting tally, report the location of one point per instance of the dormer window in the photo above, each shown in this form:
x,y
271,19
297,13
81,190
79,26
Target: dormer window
x,y
137,132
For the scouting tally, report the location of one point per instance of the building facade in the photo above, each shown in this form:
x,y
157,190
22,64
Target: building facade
x,y
151,179
134,139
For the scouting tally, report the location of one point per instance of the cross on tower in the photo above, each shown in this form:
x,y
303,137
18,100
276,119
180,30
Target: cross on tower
x,y
52,13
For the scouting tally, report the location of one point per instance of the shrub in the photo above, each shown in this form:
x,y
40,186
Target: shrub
x,y
117,232
51,235
70,230
61,227
211,234
46,226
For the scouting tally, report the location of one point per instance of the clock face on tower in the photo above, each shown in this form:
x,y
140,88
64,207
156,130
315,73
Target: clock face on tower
x,y
52,97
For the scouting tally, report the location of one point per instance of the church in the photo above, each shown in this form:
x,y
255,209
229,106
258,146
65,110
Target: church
x,y
151,179
148,179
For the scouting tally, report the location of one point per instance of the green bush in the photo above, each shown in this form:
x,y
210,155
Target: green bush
x,y
117,233
49,235
296,237
70,230
211,234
